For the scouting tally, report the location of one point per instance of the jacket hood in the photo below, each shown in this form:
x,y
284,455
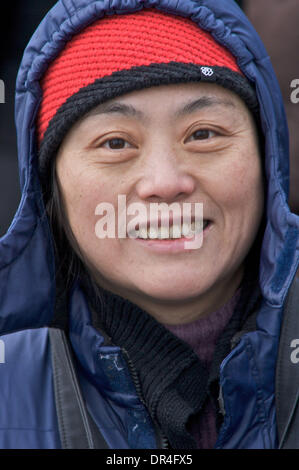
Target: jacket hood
x,y
26,250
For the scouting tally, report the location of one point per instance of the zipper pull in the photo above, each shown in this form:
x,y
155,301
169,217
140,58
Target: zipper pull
x,y
221,402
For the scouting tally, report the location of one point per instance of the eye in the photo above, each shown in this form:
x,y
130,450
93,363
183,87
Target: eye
x,y
202,134
116,143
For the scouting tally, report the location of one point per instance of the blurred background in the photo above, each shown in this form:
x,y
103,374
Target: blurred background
x,y
276,21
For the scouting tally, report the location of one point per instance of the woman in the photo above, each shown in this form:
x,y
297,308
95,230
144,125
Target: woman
x,y
143,341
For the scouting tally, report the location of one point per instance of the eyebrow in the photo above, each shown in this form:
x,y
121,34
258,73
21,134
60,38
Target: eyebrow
x,y
119,108
188,108
201,103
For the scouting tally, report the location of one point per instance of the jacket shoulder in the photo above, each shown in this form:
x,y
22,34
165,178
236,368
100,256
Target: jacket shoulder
x,y
287,372
28,415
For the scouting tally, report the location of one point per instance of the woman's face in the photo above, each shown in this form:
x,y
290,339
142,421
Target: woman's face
x,y
186,143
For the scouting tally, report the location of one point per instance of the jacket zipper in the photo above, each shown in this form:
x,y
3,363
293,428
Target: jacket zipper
x,y
162,440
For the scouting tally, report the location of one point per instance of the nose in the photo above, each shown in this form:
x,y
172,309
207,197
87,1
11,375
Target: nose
x,y
164,177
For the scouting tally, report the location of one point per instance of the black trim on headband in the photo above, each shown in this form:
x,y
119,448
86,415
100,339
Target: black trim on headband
x,y
125,81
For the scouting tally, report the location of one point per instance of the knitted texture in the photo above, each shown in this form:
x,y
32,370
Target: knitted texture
x,y
203,333
121,42
179,390
202,336
169,372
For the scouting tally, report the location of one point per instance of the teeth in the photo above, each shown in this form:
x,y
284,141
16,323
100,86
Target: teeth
x,y
190,230
175,231
152,233
143,232
163,233
185,229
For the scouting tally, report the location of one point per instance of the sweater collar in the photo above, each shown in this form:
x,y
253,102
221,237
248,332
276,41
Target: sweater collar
x,y
169,373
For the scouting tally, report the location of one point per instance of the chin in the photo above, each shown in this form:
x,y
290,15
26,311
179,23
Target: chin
x,y
172,292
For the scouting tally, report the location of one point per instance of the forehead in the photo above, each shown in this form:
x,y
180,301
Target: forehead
x,y
176,99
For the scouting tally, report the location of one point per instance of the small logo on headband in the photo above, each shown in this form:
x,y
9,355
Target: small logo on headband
x,y
207,71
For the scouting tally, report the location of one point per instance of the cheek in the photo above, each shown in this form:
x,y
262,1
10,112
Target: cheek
x,y
243,202
242,183
238,194
82,192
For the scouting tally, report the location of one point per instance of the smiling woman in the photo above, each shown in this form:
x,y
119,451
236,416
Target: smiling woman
x,y
175,144
153,336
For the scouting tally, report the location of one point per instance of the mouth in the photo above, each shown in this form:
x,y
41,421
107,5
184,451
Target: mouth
x,y
175,231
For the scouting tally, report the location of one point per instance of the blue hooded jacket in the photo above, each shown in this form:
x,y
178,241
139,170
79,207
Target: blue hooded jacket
x,y
28,416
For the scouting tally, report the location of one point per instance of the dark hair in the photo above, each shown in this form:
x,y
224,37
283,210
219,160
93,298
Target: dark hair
x,y
68,256
70,263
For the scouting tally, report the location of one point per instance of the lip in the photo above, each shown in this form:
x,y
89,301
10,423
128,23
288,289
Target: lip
x,y
176,245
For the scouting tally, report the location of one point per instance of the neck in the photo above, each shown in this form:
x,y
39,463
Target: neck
x,y
181,311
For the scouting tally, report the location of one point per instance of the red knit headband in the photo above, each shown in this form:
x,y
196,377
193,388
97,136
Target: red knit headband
x,y
120,42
